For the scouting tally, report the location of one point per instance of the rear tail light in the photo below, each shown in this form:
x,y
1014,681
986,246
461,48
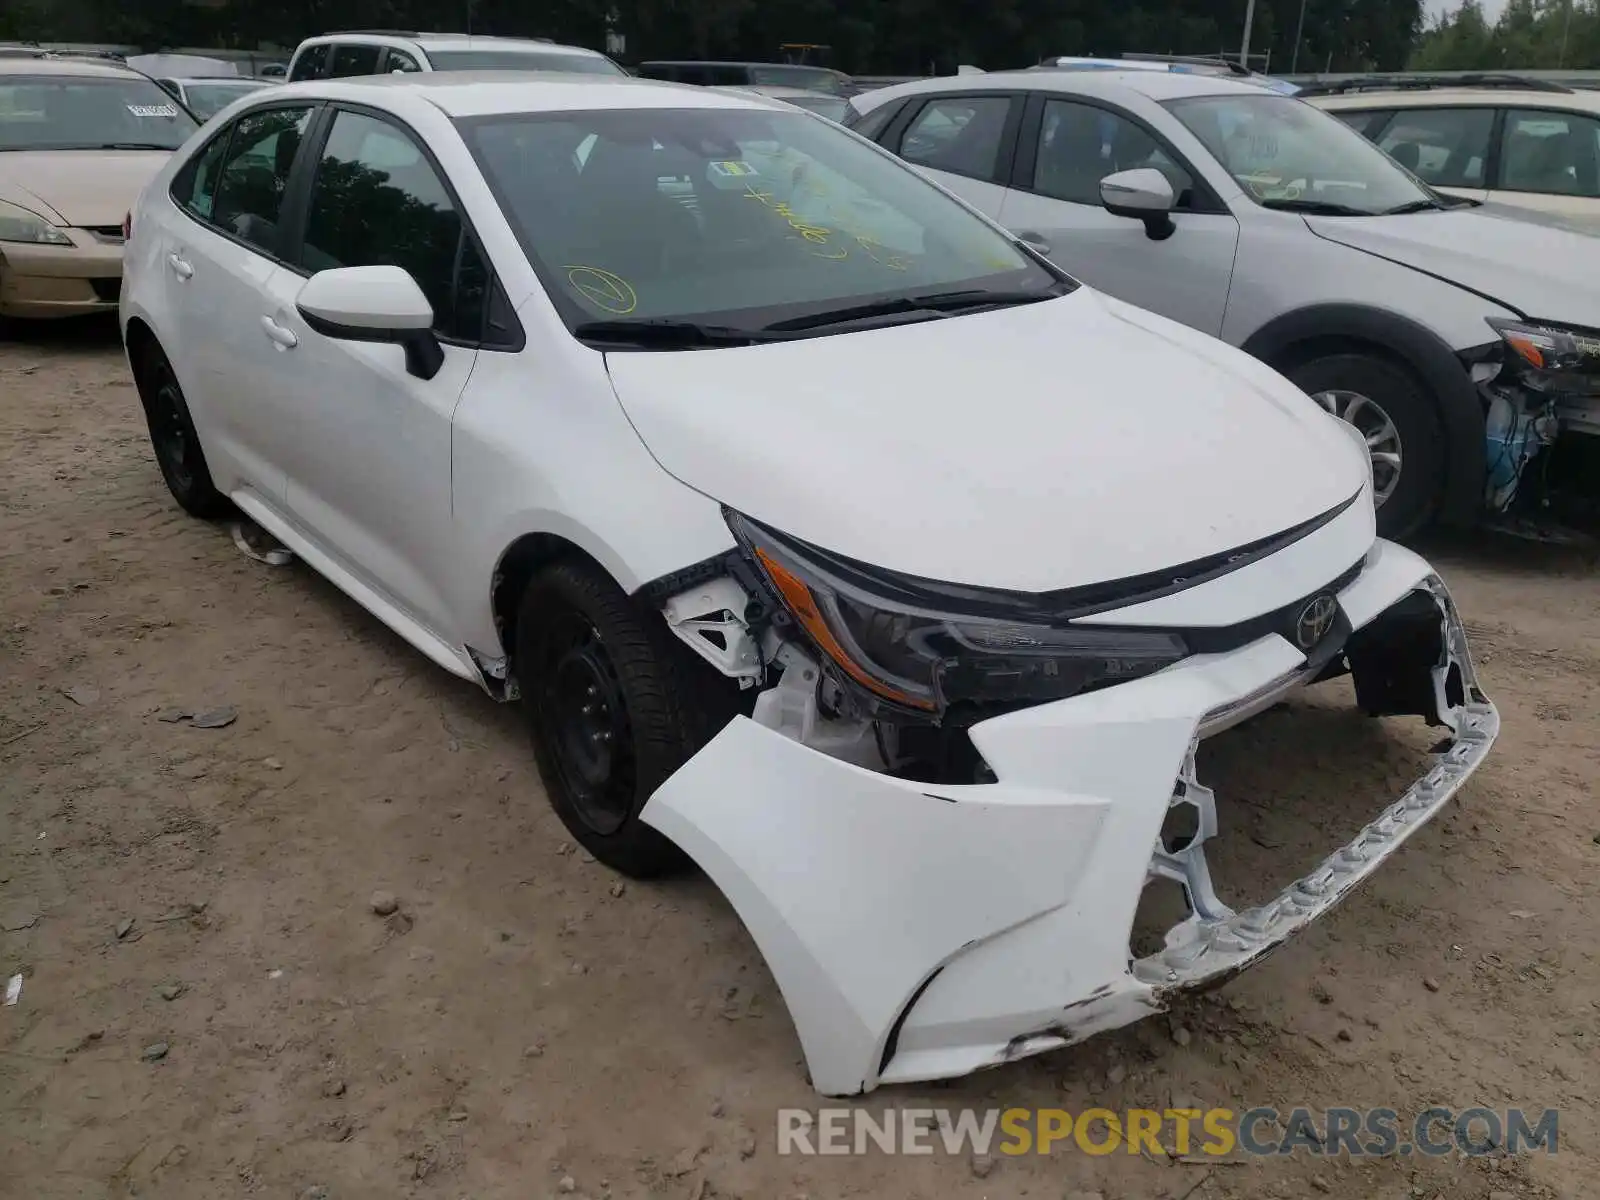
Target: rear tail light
x,y
127,226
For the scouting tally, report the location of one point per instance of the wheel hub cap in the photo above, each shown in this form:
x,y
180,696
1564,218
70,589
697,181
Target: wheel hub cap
x,y
1383,438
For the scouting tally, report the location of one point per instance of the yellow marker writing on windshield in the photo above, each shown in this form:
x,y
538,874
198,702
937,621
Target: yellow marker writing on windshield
x,y
604,289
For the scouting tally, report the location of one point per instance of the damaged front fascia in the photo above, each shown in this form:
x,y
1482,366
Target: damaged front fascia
x,y
1215,943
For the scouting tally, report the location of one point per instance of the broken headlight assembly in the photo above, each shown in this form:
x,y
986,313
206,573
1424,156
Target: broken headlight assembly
x,y
927,646
1551,358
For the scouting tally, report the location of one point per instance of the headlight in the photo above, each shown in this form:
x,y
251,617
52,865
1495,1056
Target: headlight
x,y
896,637
1551,356
17,224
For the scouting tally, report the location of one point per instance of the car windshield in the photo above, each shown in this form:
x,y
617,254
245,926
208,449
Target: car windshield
x,y
736,217
522,60
817,79
66,112
832,107
1287,154
204,99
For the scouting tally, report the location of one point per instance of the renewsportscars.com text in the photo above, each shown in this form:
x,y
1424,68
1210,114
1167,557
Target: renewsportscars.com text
x,y
1218,1132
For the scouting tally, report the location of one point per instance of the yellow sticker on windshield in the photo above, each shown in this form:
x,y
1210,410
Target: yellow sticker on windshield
x,y
604,289
735,169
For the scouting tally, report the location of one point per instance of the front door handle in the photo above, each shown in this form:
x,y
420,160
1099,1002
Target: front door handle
x,y
180,268
285,339
1034,241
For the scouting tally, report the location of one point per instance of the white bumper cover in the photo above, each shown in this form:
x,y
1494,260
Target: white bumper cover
x,y
921,932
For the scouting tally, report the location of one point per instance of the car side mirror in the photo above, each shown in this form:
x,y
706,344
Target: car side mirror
x,y
1144,194
374,304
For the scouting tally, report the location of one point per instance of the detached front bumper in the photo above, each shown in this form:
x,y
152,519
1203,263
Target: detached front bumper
x,y
922,932
62,281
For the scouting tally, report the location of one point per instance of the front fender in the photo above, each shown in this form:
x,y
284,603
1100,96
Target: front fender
x,y
1461,413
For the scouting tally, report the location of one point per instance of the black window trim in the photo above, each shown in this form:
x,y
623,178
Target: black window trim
x,y
297,208
1204,200
891,110
286,212
1491,153
1502,115
894,133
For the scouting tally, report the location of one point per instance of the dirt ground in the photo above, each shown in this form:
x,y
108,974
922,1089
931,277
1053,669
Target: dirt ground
x,y
526,1026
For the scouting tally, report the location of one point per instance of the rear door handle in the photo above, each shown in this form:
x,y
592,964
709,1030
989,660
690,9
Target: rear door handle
x,y
1032,239
179,267
285,339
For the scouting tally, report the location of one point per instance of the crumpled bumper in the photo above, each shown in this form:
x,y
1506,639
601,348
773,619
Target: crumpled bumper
x,y
924,931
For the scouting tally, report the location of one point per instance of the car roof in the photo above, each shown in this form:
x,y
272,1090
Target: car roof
x,y
488,93
1121,85
1499,97
731,62
452,41
45,65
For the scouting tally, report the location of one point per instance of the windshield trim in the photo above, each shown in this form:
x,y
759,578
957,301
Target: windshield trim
x,y
572,316
1265,96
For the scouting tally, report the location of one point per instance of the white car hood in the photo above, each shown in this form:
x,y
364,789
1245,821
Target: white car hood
x,y
1531,266
1033,448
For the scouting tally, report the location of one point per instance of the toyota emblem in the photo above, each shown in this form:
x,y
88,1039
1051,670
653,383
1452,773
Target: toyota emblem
x,y
1314,621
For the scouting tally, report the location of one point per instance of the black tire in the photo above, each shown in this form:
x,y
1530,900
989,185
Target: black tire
x,y
1411,408
654,703
174,440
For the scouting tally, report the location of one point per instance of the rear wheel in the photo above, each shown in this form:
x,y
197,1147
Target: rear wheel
x,y
1397,417
615,705
173,437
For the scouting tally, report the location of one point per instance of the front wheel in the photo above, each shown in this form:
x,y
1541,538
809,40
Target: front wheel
x,y
615,705
1397,417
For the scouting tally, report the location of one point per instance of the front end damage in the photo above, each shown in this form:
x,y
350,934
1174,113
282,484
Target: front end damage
x,y
1540,389
922,924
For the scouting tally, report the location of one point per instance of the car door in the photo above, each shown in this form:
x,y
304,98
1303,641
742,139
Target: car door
x,y
1549,161
1068,146
1447,148
221,252
369,480
964,140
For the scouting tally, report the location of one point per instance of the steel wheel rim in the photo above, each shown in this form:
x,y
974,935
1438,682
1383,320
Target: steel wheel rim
x,y
584,724
170,432
1374,424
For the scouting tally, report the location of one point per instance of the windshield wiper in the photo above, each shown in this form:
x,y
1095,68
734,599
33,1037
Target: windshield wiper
x,y
650,332
931,302
130,146
1323,208
1412,206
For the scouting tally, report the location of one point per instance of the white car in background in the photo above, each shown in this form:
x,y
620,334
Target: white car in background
x,y
1462,345
382,52
1524,143
825,534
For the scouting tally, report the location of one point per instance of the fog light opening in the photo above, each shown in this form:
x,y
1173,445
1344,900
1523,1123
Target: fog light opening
x,y
1163,906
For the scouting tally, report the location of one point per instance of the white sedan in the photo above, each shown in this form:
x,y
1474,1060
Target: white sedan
x,y
826,535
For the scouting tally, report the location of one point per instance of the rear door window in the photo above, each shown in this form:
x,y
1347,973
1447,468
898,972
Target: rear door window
x,y
1447,147
349,60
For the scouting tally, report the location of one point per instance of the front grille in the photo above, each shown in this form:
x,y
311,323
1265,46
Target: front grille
x,y
107,291
106,233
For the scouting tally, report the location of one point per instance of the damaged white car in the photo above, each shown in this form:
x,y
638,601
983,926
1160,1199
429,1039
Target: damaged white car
x,y
827,535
